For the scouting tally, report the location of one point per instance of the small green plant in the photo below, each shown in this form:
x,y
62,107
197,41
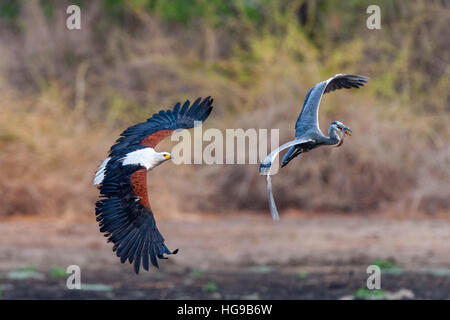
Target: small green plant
x,y
57,272
367,294
30,269
210,287
385,264
28,272
302,274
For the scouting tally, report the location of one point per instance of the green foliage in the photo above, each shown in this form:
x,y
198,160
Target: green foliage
x,y
181,11
210,287
23,273
57,272
114,8
31,268
376,294
215,12
9,9
47,9
385,264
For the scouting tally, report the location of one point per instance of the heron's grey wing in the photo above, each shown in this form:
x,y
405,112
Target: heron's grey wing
x,y
309,116
265,168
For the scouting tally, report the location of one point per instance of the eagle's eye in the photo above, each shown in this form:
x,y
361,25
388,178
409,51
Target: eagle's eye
x,y
167,155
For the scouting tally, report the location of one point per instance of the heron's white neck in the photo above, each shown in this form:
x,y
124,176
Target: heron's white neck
x,y
333,137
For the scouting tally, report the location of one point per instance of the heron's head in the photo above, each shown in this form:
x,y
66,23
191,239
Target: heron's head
x,y
164,156
339,127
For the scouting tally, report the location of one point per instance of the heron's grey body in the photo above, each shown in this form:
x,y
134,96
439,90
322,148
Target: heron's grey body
x,y
308,135
318,139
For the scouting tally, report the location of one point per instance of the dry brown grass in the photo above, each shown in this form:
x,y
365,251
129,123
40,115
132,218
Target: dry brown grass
x,y
66,97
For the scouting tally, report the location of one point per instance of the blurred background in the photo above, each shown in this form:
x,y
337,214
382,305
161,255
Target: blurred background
x,y
383,198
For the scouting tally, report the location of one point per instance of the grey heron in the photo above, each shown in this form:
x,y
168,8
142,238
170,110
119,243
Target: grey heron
x,y
308,135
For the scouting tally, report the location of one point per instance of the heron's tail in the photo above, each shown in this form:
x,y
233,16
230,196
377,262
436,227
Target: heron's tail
x,y
272,205
264,168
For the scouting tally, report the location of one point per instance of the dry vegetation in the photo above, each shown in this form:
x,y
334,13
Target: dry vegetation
x,y
66,95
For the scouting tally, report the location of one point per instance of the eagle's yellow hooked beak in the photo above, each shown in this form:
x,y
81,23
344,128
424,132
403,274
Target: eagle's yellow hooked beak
x,y
168,156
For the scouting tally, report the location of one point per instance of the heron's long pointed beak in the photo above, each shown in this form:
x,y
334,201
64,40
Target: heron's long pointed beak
x,y
347,131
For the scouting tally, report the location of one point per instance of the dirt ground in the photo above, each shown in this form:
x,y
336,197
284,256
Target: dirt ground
x,y
233,257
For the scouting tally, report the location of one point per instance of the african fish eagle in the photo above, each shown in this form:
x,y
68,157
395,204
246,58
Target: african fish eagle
x,y
123,211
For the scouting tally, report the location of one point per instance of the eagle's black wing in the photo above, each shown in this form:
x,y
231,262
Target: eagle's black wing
x,y
161,125
125,216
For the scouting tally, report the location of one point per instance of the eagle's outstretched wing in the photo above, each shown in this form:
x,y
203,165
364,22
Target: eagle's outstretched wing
x,y
309,116
123,212
161,125
125,216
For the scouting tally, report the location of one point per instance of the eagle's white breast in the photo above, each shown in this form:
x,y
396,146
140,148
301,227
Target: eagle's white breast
x,y
146,157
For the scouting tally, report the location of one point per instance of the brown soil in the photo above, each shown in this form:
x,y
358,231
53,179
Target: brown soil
x,y
234,257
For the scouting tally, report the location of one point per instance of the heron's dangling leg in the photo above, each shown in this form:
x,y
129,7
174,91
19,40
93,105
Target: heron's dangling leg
x,y
291,154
